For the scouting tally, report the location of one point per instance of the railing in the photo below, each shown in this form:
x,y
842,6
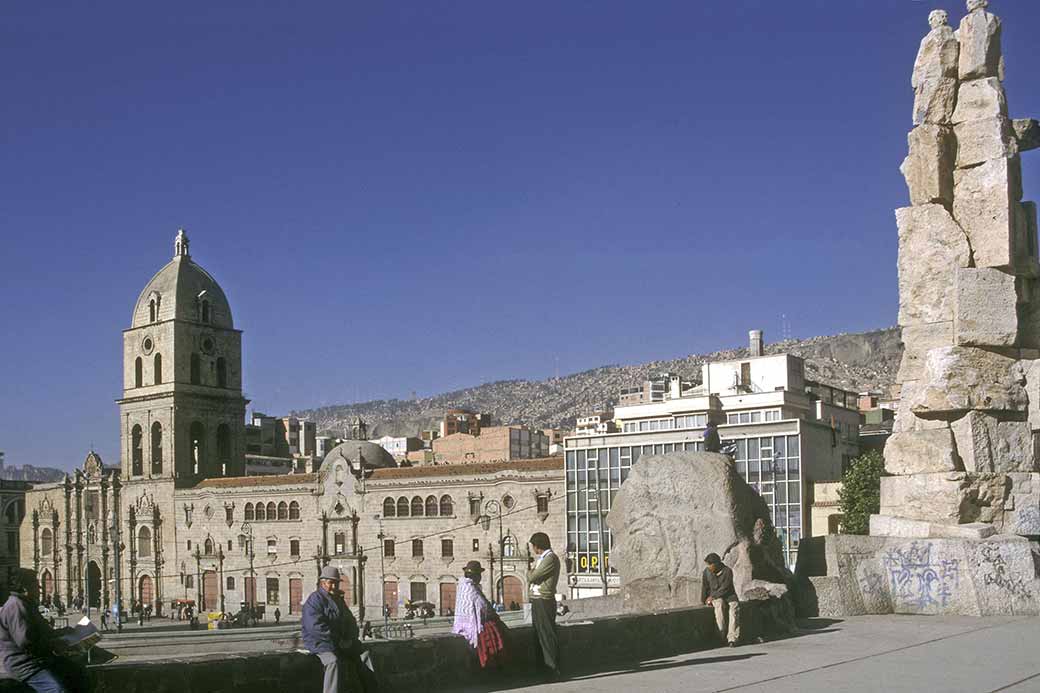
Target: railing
x,y
393,631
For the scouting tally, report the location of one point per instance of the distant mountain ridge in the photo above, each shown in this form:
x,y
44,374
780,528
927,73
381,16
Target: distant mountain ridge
x,y
861,361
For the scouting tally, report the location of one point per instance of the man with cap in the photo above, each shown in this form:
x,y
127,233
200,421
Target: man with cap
x,y
329,629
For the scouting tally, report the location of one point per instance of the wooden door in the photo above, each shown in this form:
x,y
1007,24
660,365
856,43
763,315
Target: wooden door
x,y
295,595
210,591
345,589
448,594
390,596
512,591
48,583
250,591
145,590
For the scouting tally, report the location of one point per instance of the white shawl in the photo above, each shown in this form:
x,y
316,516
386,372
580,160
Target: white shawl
x,y
471,610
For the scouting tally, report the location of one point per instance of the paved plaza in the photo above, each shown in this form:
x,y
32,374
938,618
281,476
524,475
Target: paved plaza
x,y
868,653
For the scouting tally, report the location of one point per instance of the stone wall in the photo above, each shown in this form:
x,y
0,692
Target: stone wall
x,y
424,664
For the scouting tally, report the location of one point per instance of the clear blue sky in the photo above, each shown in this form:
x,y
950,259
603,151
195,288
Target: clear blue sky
x,y
403,196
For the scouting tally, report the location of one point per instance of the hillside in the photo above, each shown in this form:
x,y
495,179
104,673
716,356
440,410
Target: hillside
x,y
864,361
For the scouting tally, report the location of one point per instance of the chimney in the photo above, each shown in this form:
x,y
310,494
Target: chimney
x,y
755,343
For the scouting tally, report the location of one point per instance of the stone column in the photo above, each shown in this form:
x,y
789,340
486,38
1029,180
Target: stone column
x,y
70,572
80,587
36,541
105,597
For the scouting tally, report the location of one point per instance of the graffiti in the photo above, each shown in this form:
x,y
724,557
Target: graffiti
x,y
872,583
917,580
999,574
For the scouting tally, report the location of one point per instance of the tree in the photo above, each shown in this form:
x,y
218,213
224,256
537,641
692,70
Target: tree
x,y
860,493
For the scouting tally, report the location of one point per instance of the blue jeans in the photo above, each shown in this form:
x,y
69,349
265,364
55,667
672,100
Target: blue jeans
x,y
45,681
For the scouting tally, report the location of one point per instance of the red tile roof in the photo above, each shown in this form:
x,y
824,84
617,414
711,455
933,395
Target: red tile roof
x,y
263,480
543,464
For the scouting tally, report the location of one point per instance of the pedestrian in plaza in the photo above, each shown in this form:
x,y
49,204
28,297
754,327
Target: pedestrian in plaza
x,y
542,579
104,620
28,645
476,619
712,442
330,631
717,591
277,615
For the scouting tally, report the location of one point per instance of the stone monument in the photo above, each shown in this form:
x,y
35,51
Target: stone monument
x,y
962,504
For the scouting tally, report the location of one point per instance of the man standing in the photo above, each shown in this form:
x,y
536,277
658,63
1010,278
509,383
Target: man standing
x,y
712,442
717,590
27,643
542,580
329,629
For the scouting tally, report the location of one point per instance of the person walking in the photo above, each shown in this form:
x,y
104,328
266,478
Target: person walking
x,y
27,642
712,442
277,615
329,629
717,591
542,579
476,620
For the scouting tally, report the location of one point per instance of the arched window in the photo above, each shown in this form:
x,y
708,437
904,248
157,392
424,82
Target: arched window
x,y
207,548
447,506
138,372
417,507
261,513
294,511
156,447
221,372
205,311
197,434
230,583
283,511
157,367
152,312
272,511
417,548
509,546
431,506
196,370
402,507
136,453
144,542
389,508
46,541
249,512
224,443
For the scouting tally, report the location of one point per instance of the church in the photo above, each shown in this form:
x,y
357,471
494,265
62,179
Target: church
x,y
177,520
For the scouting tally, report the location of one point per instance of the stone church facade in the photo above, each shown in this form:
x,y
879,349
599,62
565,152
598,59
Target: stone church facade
x,y
178,520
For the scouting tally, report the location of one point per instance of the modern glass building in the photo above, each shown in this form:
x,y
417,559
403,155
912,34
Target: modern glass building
x,y
784,438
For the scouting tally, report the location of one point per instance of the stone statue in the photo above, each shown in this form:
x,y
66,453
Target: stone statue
x,y
935,72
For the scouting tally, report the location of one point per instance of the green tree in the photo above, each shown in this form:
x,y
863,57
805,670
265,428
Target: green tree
x,y
860,493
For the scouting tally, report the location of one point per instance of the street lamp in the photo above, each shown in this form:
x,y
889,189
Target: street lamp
x,y
493,506
382,574
594,497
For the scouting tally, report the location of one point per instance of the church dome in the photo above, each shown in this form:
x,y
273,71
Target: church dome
x,y
183,291
351,450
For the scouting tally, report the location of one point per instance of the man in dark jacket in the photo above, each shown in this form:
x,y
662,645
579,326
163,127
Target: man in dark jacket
x,y
27,643
717,590
712,442
329,629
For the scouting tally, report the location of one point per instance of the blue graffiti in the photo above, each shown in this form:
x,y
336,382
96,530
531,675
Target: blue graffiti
x,y
916,580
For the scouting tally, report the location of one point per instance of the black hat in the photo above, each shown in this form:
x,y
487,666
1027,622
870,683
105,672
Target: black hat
x,y
473,567
712,559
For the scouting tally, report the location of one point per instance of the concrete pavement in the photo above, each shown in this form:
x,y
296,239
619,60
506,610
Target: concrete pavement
x,y
918,654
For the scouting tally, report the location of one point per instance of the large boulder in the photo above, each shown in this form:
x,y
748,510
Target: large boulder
x,y
675,509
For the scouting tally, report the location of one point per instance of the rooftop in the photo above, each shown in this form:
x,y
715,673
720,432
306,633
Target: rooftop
x,y
543,464
251,481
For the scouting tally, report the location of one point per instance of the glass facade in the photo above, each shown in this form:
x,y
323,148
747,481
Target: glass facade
x,y
770,464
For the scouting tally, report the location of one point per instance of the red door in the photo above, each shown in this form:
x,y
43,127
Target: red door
x,y
345,590
390,596
512,591
448,592
295,595
145,590
251,591
210,591
48,583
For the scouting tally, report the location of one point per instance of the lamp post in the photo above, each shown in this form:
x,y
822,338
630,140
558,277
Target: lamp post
x,y
594,497
220,576
247,530
493,506
382,575
199,594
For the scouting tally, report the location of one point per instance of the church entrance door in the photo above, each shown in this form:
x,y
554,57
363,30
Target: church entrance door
x,y
93,585
210,590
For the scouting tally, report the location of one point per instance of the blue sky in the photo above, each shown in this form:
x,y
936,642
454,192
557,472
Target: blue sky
x,y
415,196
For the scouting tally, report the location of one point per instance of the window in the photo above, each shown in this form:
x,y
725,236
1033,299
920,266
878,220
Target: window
x,y
189,581
207,548
417,548
388,547
248,513
294,547
294,511
402,507
542,501
47,541
272,511
144,542
272,547
189,545
229,515
447,506
138,372
339,543
476,546
508,501
152,312
221,372
474,506
272,591
261,513
224,443
197,434
418,591
389,508
283,511
509,546
156,447
432,506
136,453
230,545
196,370
447,548
230,583
417,507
